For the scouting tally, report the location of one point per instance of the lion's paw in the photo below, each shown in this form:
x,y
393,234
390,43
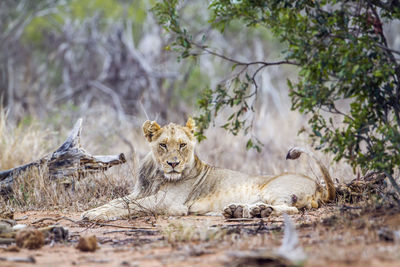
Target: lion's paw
x,y
260,210
94,215
102,213
235,211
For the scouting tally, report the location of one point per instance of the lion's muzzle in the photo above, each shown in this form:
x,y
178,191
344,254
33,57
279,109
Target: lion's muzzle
x,y
173,164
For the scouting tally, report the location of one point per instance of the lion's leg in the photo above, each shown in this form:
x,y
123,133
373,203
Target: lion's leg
x,y
280,209
235,210
124,206
115,209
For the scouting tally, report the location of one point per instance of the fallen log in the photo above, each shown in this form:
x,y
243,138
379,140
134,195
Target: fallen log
x,y
70,160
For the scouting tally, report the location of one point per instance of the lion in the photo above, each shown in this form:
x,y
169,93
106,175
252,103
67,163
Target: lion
x,y
172,180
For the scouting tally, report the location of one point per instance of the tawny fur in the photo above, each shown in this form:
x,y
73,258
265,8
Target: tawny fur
x,y
173,180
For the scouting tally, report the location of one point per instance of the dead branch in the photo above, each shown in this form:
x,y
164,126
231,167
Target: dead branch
x,y
22,218
144,231
69,161
241,219
29,259
99,261
6,241
131,228
119,226
54,219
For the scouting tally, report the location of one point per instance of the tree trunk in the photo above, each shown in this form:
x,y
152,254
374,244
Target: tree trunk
x,y
70,160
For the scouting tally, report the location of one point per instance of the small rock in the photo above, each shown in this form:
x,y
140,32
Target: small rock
x,y
330,221
87,243
54,233
385,234
30,239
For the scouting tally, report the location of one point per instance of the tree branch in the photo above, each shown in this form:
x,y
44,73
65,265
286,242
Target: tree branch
x,y
394,183
383,38
388,5
388,49
241,63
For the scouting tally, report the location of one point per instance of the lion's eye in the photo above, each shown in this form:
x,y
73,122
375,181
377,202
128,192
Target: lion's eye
x,y
182,145
162,145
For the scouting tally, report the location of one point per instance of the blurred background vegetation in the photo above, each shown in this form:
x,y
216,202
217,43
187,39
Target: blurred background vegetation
x,y
60,60
68,56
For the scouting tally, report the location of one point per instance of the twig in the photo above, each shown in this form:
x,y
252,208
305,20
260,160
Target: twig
x,y
241,220
394,183
241,62
6,241
383,39
243,225
92,223
387,48
345,207
55,219
99,261
239,225
21,219
29,259
139,230
117,226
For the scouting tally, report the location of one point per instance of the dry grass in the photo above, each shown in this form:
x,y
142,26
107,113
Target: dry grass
x,y
34,190
21,144
181,231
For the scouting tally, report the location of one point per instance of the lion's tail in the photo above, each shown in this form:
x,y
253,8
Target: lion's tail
x,y
295,153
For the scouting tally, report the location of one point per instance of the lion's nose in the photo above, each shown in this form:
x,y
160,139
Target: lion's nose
x,y
173,164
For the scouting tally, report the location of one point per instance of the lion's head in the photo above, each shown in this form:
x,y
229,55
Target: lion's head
x,y
172,147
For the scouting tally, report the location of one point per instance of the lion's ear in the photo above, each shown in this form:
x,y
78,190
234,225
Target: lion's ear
x,y
149,129
191,125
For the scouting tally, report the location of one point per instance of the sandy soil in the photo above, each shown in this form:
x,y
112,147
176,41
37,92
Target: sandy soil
x,y
330,236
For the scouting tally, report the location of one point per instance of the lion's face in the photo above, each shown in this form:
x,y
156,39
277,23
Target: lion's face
x,y
172,147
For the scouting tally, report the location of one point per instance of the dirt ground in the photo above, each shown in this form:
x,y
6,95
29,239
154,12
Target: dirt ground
x,y
330,236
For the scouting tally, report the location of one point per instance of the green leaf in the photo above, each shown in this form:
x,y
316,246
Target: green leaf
x,y
249,144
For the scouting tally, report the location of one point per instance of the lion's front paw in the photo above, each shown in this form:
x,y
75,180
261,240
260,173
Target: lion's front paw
x,y
178,210
94,215
260,210
103,213
235,211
